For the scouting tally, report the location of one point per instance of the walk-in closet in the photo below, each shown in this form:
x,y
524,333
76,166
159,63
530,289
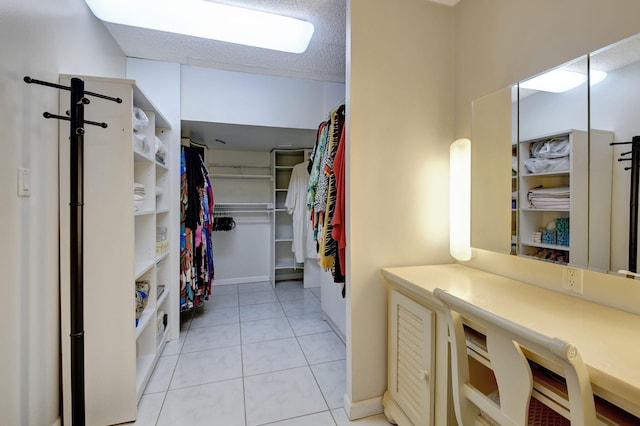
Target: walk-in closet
x,y
267,226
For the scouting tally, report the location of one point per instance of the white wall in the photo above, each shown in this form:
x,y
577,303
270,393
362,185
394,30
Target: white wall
x,y
160,81
494,49
545,113
241,98
334,307
400,126
242,255
41,39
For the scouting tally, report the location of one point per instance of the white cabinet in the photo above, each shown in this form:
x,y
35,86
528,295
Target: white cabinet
x,y
282,256
123,245
411,359
418,360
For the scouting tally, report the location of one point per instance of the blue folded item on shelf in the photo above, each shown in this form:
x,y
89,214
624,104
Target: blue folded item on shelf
x,y
562,224
548,237
562,238
142,295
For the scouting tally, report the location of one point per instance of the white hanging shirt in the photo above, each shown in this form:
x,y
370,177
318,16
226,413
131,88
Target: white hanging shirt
x,y
296,204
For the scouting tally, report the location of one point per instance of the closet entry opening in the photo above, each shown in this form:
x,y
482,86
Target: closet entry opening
x,y
245,203
252,234
266,230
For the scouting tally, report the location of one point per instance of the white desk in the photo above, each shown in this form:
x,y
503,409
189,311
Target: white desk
x,y
608,339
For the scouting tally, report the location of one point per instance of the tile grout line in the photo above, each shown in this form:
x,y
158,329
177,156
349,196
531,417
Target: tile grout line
x,y
289,320
244,390
324,398
166,392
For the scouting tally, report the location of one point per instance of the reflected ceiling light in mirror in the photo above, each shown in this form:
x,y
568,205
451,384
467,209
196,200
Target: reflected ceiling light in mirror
x,y
560,80
460,199
205,19
596,76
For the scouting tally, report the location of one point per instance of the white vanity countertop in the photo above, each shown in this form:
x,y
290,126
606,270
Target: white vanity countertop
x,y
608,339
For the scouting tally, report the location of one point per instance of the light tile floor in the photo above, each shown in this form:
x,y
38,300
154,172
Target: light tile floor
x,y
252,356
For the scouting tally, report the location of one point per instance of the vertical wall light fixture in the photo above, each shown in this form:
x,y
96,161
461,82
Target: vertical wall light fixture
x,y
460,199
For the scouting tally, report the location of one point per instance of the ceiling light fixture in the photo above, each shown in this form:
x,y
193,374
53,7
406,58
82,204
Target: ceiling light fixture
x,y
597,76
559,80
205,19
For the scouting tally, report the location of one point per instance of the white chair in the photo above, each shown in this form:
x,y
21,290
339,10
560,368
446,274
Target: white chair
x,y
504,341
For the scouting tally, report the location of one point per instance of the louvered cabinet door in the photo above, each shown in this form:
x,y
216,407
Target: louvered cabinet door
x,y
411,361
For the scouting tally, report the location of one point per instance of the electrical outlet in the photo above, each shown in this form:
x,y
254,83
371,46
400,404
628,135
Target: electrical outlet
x,y
573,280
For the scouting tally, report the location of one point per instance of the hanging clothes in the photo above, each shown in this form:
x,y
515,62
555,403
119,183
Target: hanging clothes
x,y
339,232
323,193
296,204
196,225
314,175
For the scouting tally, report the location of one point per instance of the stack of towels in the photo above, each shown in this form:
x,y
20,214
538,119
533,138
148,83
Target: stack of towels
x,y
138,196
549,198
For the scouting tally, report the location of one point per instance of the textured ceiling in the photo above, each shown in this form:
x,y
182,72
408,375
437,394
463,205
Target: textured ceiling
x,y
323,60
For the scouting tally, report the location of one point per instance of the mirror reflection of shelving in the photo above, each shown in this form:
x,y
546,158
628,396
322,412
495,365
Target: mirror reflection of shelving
x,y
544,218
555,228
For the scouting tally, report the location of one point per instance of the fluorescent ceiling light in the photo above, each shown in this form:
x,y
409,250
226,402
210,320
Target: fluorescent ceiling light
x,y
205,19
560,80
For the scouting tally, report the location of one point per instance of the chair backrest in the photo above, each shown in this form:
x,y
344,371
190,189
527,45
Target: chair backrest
x,y
505,340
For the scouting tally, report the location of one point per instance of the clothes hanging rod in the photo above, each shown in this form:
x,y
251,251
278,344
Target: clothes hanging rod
x,y
240,166
232,211
342,102
238,176
268,205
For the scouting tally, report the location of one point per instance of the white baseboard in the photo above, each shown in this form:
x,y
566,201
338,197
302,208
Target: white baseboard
x,y
241,280
292,276
361,409
58,422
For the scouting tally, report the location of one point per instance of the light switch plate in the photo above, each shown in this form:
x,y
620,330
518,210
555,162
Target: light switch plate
x,y
24,182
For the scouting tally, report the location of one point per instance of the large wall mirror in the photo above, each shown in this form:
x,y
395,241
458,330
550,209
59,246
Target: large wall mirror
x,y
546,180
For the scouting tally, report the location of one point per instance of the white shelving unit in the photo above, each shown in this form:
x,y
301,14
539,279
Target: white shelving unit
x,y
282,257
151,244
119,249
514,203
532,220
